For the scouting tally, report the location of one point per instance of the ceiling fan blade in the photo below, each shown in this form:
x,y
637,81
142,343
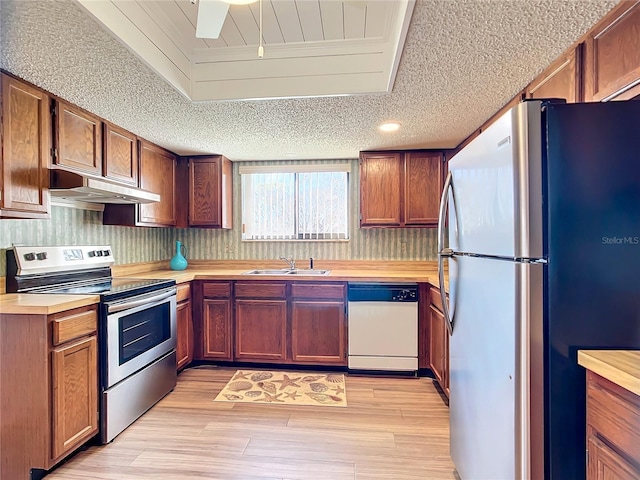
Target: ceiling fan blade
x,y
211,16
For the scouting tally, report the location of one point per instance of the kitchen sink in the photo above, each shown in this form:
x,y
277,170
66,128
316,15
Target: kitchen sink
x,y
280,271
304,271
287,271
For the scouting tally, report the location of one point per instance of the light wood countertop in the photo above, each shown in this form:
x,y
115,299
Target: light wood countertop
x,y
621,367
43,304
343,271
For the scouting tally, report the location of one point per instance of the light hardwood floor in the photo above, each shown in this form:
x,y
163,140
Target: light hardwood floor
x,y
392,428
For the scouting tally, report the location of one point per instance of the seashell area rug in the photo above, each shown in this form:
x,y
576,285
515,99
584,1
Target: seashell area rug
x,y
290,388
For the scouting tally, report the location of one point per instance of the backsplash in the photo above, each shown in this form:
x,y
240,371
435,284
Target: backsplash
x,y
143,244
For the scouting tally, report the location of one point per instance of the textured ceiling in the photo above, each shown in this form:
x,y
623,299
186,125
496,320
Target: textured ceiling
x,y
462,61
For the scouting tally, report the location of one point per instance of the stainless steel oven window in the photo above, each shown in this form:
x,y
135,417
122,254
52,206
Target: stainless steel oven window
x,y
149,333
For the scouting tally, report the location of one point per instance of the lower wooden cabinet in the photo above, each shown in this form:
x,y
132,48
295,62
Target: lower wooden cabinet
x,y
438,341
216,322
318,326
184,326
613,431
261,330
49,394
75,404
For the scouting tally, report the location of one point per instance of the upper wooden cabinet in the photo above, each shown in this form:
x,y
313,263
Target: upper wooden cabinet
x,y
210,192
381,177
612,55
78,139
120,155
157,175
560,80
400,189
423,187
26,145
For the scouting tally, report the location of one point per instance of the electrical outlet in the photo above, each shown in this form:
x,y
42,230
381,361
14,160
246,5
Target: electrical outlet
x,y
227,248
403,248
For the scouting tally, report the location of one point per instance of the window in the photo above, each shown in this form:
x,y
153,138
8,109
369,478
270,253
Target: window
x,y
295,202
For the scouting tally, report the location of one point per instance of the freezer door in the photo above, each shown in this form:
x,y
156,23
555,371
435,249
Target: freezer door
x,y
496,207
489,379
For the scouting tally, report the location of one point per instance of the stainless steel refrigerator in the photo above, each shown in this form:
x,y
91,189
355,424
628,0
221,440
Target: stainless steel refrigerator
x,y
543,253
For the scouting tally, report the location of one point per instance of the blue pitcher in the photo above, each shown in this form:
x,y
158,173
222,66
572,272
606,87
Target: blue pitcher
x,y
179,262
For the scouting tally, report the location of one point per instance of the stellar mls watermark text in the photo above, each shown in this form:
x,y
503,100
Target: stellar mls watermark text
x,y
620,240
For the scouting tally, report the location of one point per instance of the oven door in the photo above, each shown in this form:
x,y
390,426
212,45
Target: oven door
x,y
139,330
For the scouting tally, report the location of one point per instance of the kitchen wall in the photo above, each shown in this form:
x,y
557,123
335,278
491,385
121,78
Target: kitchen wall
x,y
83,227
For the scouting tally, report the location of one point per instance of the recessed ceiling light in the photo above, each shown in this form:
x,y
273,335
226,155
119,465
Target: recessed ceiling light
x,y
389,127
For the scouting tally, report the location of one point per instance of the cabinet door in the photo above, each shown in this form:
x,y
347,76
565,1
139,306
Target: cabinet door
x,y
380,189
184,327
605,464
261,330
120,155
216,318
26,145
560,80
437,345
423,188
318,332
78,139
75,394
612,55
157,174
210,195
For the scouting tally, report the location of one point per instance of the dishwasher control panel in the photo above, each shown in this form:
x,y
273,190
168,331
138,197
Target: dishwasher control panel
x,y
382,292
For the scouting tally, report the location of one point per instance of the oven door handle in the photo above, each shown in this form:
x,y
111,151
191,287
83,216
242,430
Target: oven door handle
x,y
118,307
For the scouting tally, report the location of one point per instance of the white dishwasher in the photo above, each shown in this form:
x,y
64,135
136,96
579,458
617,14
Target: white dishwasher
x,y
383,326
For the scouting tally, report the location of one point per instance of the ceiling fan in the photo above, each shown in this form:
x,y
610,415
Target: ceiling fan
x,y
211,15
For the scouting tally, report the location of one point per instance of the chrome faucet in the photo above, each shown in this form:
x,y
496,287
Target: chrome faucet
x,y
290,261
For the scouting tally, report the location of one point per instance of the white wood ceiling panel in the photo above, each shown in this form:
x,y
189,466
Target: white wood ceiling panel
x,y
172,20
332,19
138,16
191,12
285,86
231,34
309,15
246,23
271,34
376,19
354,19
287,14
290,67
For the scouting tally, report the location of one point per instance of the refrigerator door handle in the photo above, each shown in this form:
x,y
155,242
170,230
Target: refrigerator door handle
x,y
444,252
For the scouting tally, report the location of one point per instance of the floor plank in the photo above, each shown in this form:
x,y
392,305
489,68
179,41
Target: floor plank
x,y
392,428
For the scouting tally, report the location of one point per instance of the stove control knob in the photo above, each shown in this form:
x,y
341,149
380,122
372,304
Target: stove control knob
x,y
99,253
41,256
91,253
29,256
106,253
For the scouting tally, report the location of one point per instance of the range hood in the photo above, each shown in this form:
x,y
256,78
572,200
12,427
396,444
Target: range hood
x,y
74,187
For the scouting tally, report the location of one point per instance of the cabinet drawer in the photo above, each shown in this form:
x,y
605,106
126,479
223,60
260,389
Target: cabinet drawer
x,y
183,292
317,290
615,414
74,326
436,301
260,290
216,289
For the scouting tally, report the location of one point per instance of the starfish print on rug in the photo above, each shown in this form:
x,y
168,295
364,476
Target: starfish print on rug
x,y
270,398
286,382
338,390
293,396
240,376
